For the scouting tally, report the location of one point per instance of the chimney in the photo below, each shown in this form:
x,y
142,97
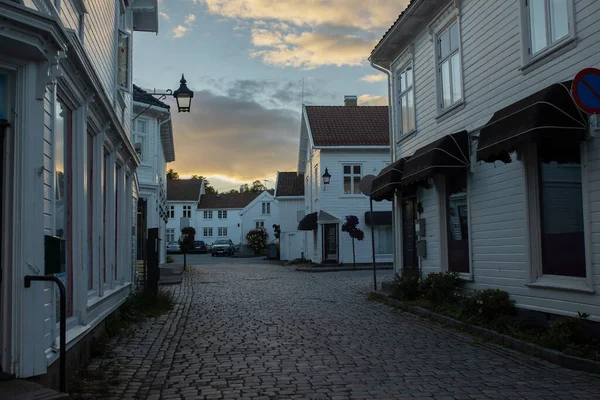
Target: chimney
x,y
350,100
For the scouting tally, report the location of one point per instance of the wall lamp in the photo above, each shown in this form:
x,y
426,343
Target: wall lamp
x,y
326,177
183,96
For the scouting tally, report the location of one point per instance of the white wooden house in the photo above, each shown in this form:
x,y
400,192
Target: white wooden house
x,y
496,172
348,142
289,194
152,137
68,171
183,196
262,212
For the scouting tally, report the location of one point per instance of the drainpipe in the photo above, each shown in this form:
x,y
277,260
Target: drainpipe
x,y
390,119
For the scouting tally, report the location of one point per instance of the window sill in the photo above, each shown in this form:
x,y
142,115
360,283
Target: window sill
x,y
549,55
565,283
450,111
406,137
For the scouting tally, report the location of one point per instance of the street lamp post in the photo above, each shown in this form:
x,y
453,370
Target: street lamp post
x,y
183,96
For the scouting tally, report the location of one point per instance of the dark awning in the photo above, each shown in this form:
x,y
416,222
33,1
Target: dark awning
x,y
308,223
448,155
378,218
388,179
549,118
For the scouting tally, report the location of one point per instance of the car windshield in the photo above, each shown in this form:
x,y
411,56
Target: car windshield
x,y
222,242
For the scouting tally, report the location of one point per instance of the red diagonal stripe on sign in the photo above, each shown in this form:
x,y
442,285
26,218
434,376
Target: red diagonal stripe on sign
x,y
591,88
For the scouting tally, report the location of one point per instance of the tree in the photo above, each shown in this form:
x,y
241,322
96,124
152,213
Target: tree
x,y
208,189
196,177
172,174
232,191
257,239
350,226
257,187
244,188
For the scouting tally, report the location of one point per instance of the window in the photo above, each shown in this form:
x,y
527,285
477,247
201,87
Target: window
x,y
170,235
222,232
266,208
561,216
352,175
187,211
449,68
123,60
260,224
208,215
63,133
90,211
384,239
222,214
171,212
139,142
406,100
208,232
457,224
141,126
550,22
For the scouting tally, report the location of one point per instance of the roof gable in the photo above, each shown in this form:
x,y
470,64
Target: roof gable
x,y
226,201
266,195
289,184
348,126
183,189
141,96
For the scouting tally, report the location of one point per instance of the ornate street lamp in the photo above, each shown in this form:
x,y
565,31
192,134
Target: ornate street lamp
x,y
183,95
326,177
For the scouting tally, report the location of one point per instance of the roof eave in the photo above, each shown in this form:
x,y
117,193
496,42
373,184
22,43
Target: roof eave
x,y
352,147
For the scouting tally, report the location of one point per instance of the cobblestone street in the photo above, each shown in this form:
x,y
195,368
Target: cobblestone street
x,y
268,332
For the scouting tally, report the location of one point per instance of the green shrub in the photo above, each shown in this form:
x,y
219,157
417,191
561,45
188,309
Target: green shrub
x,y
170,260
406,286
487,305
257,239
441,287
565,332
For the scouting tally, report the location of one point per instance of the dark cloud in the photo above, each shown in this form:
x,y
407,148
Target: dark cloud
x,y
235,137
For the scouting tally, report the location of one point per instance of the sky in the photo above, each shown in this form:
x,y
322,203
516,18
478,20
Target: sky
x,y
251,65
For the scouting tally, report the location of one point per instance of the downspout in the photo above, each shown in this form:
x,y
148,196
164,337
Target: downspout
x,y
390,119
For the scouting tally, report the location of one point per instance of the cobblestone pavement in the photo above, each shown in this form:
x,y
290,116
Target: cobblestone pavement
x,y
269,332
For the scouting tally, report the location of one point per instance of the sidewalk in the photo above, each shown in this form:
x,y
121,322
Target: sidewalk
x,y
326,268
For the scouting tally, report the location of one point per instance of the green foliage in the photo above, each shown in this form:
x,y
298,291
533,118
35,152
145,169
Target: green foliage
x,y
172,174
170,260
406,287
257,239
441,287
186,240
487,305
565,332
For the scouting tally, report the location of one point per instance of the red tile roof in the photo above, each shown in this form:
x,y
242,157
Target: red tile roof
x,y
349,125
290,184
183,189
227,200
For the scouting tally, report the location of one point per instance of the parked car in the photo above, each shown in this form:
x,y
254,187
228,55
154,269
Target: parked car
x,y
223,246
173,247
200,247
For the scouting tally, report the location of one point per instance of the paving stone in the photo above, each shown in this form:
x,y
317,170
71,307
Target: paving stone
x,y
261,331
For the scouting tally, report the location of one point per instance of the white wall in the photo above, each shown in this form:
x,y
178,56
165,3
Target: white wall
x,y
493,79
233,223
253,213
292,243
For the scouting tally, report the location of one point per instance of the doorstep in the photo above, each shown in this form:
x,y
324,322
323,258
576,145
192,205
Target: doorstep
x,y
18,389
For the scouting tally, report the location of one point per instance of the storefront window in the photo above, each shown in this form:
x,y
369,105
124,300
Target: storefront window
x,y
62,201
384,239
458,224
561,206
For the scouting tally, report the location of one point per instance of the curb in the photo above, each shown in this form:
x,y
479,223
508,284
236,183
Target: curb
x,y
553,356
336,269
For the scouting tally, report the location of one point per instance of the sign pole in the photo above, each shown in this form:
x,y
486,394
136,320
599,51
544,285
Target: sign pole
x,y
373,245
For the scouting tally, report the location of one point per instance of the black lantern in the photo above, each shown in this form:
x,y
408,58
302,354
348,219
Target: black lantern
x,y
326,177
183,95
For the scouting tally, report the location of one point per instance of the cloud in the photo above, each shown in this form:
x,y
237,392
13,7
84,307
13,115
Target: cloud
x,y
364,15
236,138
164,15
189,19
371,100
180,31
309,50
374,78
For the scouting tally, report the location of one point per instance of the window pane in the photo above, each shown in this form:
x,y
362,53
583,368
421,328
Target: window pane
x,y
559,16
458,228
404,114
356,184
123,60
537,21
454,37
561,205
402,81
357,169
456,78
141,126
446,86
411,111
444,43
347,169
384,239
409,77
347,185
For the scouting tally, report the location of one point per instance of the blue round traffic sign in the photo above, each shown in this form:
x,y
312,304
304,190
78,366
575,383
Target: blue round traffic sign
x,y
586,90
